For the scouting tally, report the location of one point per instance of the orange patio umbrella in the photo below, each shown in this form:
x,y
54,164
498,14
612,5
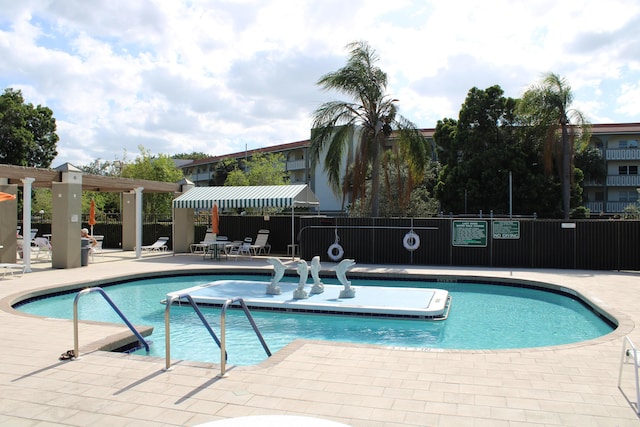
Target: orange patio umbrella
x,y
214,219
92,215
6,196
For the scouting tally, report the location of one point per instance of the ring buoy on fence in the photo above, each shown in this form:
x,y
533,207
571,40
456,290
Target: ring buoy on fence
x,y
411,241
335,252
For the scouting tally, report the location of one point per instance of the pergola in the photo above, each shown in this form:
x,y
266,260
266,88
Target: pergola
x,y
66,182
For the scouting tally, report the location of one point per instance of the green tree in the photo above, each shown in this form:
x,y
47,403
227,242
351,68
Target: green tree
x,y
546,109
27,133
369,119
260,169
482,152
155,168
191,156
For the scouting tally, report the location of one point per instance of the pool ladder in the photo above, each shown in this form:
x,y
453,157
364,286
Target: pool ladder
x,y
630,357
115,308
221,342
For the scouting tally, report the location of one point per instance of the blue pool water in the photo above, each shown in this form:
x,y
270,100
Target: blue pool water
x,y
483,316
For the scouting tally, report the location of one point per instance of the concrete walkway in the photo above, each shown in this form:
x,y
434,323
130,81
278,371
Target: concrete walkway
x,y
358,385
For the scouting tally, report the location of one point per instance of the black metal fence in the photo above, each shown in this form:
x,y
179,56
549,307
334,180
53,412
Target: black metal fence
x,y
576,244
581,244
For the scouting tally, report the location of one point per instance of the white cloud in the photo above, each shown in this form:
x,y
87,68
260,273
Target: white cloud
x,y
218,76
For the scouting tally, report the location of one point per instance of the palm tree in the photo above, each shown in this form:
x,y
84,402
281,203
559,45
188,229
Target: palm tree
x,y
546,106
369,120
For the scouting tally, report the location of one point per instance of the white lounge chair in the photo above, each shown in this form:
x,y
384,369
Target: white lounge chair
x,y
157,246
42,246
9,267
260,245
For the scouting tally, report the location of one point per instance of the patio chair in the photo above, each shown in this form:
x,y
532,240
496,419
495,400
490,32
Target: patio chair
x,y
97,249
209,238
261,245
243,248
157,246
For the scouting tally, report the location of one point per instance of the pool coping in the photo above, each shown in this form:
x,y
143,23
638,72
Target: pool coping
x,y
623,323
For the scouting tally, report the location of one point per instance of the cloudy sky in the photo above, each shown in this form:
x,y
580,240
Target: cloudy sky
x,y
216,76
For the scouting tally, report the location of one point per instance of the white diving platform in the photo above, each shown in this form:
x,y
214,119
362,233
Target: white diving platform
x,y
419,303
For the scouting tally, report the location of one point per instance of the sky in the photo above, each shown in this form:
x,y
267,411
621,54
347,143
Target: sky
x,y
219,77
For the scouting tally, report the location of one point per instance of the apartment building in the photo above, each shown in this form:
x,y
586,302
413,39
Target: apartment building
x,y
619,144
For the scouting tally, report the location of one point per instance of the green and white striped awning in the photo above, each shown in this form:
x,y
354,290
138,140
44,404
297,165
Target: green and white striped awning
x,y
247,197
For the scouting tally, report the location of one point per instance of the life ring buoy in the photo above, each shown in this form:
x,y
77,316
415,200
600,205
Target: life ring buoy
x,y
335,252
411,241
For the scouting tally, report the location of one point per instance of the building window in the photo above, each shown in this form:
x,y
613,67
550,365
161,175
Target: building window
x,y
631,143
628,170
628,196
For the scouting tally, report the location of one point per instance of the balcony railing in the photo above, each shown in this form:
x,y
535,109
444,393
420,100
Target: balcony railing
x,y
623,154
296,165
612,207
595,207
623,180
618,207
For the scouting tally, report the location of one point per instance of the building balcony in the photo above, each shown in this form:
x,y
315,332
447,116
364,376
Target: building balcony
x,y
200,177
623,180
595,207
618,207
611,207
623,154
296,165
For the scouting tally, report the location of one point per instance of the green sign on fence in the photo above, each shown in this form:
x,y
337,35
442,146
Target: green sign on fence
x,y
469,233
506,229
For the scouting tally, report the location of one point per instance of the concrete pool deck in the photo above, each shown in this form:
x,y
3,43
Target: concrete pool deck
x,y
358,385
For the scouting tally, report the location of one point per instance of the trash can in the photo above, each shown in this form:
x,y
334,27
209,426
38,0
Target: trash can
x,y
84,251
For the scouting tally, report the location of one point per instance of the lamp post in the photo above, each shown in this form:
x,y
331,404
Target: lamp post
x,y
510,195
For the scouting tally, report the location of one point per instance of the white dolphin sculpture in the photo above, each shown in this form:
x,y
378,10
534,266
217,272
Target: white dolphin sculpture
x,y
341,273
278,273
318,286
303,271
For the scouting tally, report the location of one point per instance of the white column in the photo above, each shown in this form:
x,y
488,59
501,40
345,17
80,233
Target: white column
x,y
26,223
138,191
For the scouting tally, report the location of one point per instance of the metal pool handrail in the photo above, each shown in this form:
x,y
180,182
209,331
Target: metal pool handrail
x,y
221,342
167,325
223,312
115,308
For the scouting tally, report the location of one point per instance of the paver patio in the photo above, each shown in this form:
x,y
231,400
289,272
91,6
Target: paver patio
x,y
359,385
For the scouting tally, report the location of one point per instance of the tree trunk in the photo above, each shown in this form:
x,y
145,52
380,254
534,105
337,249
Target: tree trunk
x,y
375,179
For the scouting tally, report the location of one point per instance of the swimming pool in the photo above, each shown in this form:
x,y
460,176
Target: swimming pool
x,y
483,316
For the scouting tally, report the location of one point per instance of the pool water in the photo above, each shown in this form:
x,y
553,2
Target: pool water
x,y
483,316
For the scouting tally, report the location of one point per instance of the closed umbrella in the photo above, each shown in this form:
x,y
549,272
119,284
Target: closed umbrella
x,y
92,215
214,219
6,196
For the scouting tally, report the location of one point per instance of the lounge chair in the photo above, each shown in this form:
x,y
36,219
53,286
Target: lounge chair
x,y
42,246
157,246
261,245
8,267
